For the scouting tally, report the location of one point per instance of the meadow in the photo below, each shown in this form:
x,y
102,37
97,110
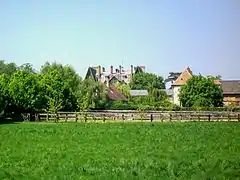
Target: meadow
x,y
193,150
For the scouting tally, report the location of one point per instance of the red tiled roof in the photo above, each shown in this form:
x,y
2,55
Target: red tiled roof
x,y
183,78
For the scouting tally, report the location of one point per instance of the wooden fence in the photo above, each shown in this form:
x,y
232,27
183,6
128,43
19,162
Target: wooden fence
x,y
135,116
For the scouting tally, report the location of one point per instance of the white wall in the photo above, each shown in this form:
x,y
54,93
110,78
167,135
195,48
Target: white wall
x,y
176,91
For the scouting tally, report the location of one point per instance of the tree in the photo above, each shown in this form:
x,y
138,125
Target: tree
x,y
123,88
7,68
53,90
24,90
70,82
4,97
93,95
146,81
201,92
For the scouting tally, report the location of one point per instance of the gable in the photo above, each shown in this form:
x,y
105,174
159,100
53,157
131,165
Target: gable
x,y
138,70
183,78
91,73
113,80
115,95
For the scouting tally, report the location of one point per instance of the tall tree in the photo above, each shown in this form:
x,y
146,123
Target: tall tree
x,y
201,92
147,81
53,90
69,80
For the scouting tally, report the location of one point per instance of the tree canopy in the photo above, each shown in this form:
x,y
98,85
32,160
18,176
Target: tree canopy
x,y
146,81
201,92
58,87
93,95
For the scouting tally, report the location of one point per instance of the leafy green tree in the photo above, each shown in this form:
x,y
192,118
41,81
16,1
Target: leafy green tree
x,y
52,90
4,96
123,88
24,90
201,92
93,95
7,68
70,82
147,81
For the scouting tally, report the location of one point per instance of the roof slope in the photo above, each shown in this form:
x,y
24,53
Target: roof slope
x,y
230,86
91,73
115,95
183,78
138,92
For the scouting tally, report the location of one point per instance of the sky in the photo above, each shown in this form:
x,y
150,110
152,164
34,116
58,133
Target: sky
x,y
164,35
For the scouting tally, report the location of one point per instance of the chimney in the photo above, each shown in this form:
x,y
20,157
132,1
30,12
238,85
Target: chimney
x,y
103,69
120,69
99,70
111,69
131,69
143,68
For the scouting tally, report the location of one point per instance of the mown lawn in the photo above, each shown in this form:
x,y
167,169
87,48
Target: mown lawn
x,y
120,151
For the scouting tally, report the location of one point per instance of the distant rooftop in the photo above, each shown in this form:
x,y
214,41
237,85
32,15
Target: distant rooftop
x,y
138,92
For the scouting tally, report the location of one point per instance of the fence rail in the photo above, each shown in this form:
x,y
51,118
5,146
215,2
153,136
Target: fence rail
x,y
135,115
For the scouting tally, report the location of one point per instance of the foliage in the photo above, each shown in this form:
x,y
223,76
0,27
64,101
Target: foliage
x,y
4,97
93,95
147,81
201,92
7,68
53,88
70,82
58,87
67,82
156,99
120,151
124,89
24,89
119,105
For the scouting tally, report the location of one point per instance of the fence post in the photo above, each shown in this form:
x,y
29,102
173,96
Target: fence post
x,y
36,117
151,118
76,117
228,117
57,117
209,117
123,117
85,117
66,118
238,117
170,117
104,117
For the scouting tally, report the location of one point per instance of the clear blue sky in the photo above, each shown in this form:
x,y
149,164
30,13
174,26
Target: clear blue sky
x,y
163,35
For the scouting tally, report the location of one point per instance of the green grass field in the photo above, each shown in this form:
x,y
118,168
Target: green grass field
x,y
194,150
